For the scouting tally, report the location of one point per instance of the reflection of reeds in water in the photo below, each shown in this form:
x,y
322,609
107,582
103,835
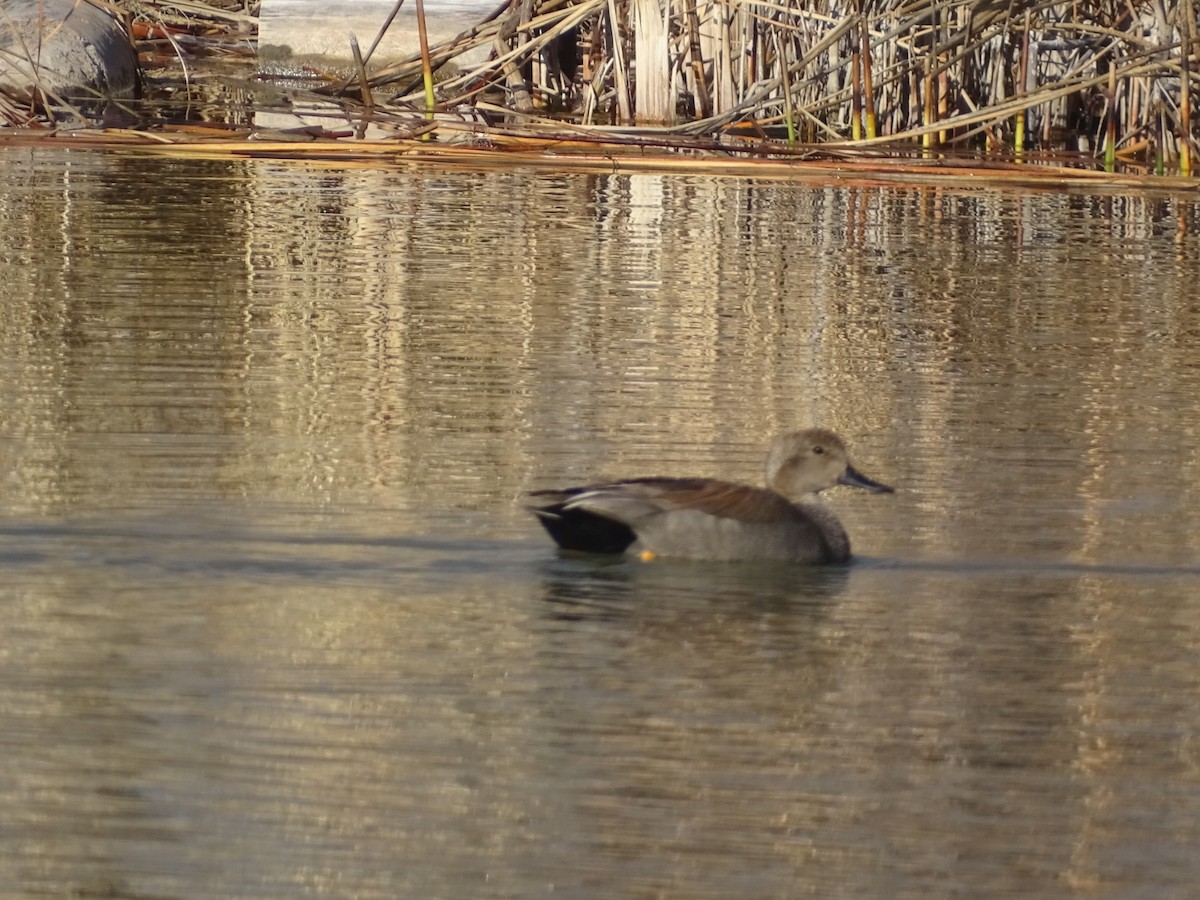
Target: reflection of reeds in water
x,y
658,325
971,73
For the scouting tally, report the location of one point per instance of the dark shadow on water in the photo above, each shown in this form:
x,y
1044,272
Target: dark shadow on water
x,y
216,550
573,584
578,586
1025,567
595,587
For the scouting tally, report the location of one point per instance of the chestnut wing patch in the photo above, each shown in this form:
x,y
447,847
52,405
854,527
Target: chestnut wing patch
x,y
723,499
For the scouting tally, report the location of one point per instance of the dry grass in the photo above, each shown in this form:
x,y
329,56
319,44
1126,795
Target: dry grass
x,y
770,86
970,73
563,152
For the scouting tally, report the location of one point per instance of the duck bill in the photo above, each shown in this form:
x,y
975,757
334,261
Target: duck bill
x,y
854,478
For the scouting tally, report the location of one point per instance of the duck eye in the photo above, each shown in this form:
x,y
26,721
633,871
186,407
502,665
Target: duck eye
x,y
818,449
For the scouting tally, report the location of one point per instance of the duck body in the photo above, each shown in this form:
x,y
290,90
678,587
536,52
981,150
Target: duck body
x,y
710,519
691,518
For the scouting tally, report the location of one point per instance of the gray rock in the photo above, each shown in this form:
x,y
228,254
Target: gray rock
x,y
64,50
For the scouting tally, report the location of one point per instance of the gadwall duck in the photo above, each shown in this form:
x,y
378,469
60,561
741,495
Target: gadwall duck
x,y
707,519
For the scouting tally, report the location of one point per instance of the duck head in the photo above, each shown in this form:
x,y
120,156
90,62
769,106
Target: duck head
x,y
802,463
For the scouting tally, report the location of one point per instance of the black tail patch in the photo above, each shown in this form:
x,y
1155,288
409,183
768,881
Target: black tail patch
x,y
577,529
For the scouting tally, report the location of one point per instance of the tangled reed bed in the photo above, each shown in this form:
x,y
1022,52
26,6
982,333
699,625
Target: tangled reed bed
x,y
1093,81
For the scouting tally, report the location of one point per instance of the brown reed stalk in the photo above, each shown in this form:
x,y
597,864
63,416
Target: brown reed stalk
x,y
856,129
1110,134
360,67
703,99
868,86
929,138
789,117
1185,89
426,65
387,23
1160,152
1022,82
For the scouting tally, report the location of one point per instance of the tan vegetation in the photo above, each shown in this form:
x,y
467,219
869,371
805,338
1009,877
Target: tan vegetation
x,y
1088,80
982,74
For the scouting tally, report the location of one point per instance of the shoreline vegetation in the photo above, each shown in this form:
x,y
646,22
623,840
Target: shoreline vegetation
x,y
1091,91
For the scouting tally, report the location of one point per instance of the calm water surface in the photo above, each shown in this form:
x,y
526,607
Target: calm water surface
x,y
275,625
